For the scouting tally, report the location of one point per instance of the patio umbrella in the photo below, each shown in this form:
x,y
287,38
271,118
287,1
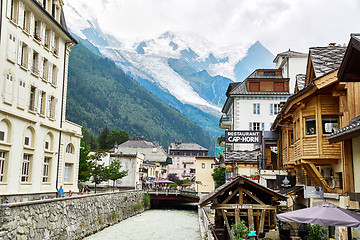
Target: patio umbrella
x,y
326,214
163,181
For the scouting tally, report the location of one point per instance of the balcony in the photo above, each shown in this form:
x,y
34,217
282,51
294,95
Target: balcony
x,y
225,122
188,162
186,175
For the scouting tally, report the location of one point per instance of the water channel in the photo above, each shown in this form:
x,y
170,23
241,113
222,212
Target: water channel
x,y
154,224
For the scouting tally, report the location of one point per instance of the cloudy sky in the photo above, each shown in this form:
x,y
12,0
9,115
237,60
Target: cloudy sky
x,y
278,24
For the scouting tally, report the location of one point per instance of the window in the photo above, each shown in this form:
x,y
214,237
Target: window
x,y
22,95
291,137
42,102
47,37
35,63
67,172
28,138
12,9
37,30
184,165
69,148
47,145
274,108
12,48
54,75
56,45
52,105
32,98
2,166
27,141
203,165
45,69
46,169
256,126
23,54
9,85
25,168
329,124
254,86
256,108
2,136
310,124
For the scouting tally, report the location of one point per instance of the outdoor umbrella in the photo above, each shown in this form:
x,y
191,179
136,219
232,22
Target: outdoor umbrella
x,y
326,214
163,181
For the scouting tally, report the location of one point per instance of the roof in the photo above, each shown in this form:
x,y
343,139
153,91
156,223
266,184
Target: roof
x,y
255,188
289,53
186,146
138,142
326,59
241,89
288,191
347,132
245,156
255,74
349,70
300,81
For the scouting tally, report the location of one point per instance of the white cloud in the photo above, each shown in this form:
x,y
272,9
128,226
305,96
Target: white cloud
x,y
278,24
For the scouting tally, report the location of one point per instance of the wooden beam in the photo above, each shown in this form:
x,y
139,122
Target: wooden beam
x,y
243,207
241,214
227,225
241,196
230,196
254,197
237,215
262,221
251,218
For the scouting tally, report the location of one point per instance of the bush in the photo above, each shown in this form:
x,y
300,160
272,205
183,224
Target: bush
x,y
136,207
147,200
240,230
317,232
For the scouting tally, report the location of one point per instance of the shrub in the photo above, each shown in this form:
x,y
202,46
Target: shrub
x,y
147,200
240,230
317,232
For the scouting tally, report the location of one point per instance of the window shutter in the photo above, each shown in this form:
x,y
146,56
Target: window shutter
x,y
29,59
51,43
262,126
254,108
21,14
8,10
50,72
258,111
11,48
19,52
43,33
250,126
271,108
39,101
32,24
41,67
22,94
48,105
9,88
55,108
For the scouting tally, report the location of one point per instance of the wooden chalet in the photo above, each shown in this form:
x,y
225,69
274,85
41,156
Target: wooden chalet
x,y
242,199
349,134
308,117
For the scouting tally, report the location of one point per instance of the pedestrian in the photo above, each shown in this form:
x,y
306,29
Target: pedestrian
x,y
14,200
4,200
83,190
70,193
61,192
87,188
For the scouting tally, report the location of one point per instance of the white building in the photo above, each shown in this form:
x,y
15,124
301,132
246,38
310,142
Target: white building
x,y
39,149
183,158
291,63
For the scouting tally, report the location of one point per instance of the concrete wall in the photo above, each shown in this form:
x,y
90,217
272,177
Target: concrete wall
x,y
68,218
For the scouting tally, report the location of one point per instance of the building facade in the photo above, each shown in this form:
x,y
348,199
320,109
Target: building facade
x,y
39,149
204,167
183,158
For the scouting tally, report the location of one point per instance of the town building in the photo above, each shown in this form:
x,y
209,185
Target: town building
x,y
39,148
153,154
204,167
183,158
311,146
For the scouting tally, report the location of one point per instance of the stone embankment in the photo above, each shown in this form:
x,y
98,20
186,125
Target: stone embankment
x,y
68,218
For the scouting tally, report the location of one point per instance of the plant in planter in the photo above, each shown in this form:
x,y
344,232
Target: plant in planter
x,y
255,177
240,230
317,232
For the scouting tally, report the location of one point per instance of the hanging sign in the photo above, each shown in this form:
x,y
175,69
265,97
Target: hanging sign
x,y
243,137
313,192
285,181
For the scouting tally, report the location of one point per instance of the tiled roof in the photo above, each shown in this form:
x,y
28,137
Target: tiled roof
x,y
354,126
138,142
326,59
290,53
245,156
300,81
186,146
241,89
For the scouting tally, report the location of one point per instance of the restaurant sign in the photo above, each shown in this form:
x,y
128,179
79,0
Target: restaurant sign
x,y
243,137
285,181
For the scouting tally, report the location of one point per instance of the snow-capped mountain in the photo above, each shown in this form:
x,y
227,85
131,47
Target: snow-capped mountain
x,y
184,70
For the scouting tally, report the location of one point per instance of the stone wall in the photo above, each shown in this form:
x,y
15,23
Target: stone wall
x,y
68,218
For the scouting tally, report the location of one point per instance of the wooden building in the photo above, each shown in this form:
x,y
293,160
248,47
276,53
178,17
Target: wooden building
x,y
242,199
308,117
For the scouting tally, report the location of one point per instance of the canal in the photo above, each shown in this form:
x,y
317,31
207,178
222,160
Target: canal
x,y
155,224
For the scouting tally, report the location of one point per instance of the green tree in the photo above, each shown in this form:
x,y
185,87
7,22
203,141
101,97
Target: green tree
x,y
98,170
113,172
118,136
84,163
317,232
219,176
89,139
102,139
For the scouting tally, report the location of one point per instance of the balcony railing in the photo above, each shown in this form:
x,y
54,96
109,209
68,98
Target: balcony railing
x,y
225,121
